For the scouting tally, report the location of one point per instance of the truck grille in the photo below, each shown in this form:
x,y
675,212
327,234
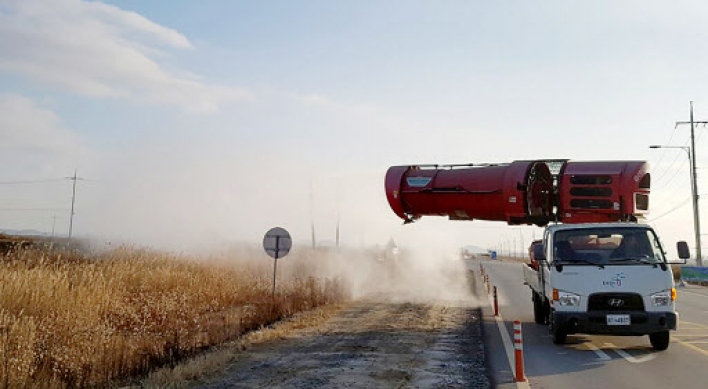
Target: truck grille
x,y
615,302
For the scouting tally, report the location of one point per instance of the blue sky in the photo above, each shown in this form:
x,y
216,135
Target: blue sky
x,y
215,120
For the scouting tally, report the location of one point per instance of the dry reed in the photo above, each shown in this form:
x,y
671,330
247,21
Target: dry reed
x,y
71,320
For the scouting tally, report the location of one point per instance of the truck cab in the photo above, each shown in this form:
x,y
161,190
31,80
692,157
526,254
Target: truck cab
x,y
604,278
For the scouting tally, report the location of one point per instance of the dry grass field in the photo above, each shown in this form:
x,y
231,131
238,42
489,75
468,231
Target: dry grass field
x,y
74,320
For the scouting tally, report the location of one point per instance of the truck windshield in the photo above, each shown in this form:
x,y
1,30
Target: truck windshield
x,y
608,246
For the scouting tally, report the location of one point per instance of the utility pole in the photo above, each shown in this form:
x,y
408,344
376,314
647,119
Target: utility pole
x,y
54,223
521,243
339,214
694,187
73,200
337,232
312,217
312,230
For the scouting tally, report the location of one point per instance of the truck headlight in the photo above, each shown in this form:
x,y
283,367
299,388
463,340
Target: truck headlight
x,y
662,299
567,299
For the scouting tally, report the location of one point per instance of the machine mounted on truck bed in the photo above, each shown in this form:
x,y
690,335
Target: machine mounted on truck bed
x,y
522,192
597,270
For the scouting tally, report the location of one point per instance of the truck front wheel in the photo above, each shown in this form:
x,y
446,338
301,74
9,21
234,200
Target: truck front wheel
x,y
558,334
659,340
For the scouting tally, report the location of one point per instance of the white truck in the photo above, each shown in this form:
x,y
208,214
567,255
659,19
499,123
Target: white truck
x,y
604,278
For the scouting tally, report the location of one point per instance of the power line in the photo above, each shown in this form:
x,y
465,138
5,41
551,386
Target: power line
x,y
671,210
676,173
668,168
34,209
23,182
73,178
46,202
663,152
671,193
671,190
664,170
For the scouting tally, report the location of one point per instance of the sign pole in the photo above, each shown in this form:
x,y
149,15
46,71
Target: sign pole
x,y
275,263
277,243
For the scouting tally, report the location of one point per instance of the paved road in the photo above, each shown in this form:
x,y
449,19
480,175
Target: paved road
x,y
593,361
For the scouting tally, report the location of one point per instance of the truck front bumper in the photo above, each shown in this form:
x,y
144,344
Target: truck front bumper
x,y
641,323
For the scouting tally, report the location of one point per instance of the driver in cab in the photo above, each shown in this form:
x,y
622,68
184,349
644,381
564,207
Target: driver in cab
x,y
632,246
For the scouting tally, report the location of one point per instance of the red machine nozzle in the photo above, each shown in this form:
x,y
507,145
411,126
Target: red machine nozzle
x,y
519,193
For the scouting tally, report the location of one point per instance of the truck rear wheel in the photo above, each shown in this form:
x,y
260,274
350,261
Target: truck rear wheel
x,y
539,309
659,340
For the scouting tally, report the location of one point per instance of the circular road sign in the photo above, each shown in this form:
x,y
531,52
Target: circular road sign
x,y
277,242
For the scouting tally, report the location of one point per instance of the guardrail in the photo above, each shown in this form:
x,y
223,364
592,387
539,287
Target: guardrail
x,y
694,274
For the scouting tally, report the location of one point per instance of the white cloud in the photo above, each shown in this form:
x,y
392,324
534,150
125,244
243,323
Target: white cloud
x,y
99,50
26,128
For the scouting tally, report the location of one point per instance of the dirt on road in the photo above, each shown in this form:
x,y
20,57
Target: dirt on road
x,y
372,344
390,339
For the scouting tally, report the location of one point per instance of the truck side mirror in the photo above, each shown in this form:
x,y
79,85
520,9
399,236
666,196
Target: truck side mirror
x,y
538,253
683,251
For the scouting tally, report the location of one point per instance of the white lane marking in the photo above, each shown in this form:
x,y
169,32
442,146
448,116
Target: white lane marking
x,y
600,354
508,346
688,323
628,357
632,359
690,292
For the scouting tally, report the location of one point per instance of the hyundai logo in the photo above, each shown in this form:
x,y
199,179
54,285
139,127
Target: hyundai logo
x,y
616,303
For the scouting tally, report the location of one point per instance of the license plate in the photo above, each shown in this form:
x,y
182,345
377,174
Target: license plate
x,y
618,320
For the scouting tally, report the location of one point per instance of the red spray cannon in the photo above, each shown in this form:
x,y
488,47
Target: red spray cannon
x,y
522,192
519,193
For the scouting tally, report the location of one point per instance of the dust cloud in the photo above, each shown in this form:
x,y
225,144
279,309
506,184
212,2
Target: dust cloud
x,y
202,196
377,274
